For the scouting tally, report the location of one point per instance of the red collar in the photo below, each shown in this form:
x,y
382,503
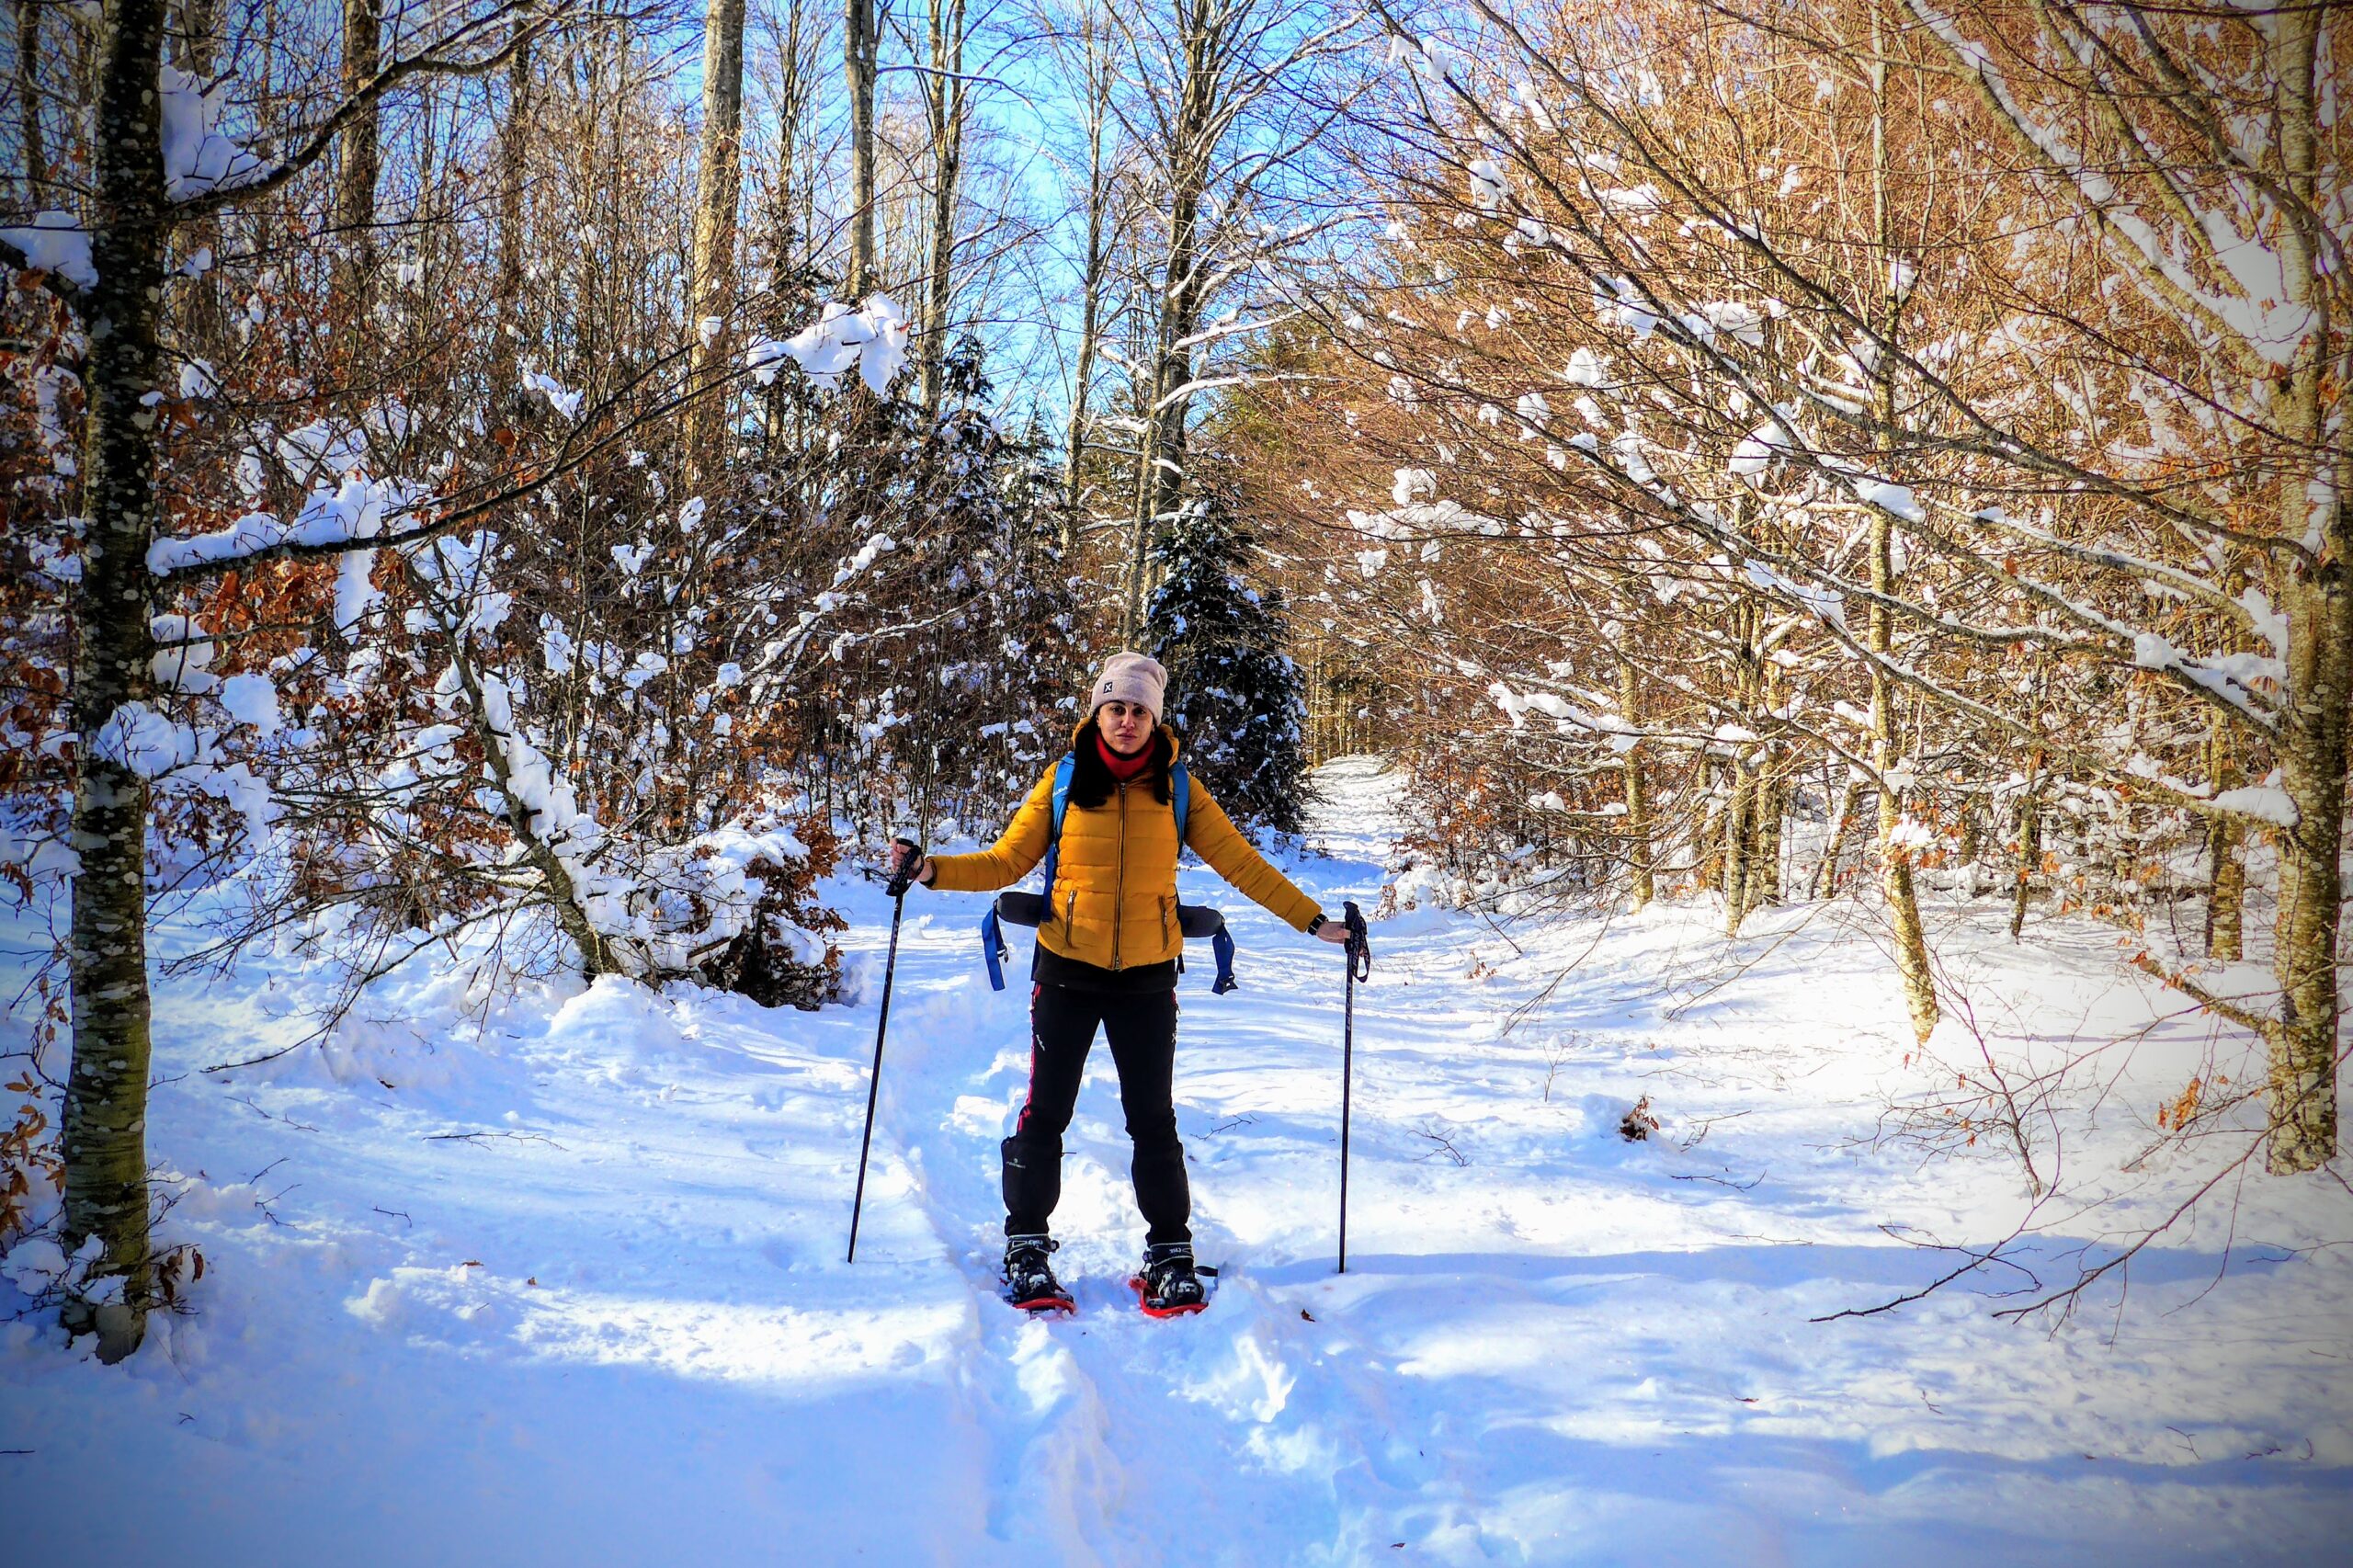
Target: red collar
x,y
1125,770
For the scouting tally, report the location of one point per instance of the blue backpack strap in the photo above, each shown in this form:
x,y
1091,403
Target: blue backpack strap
x,y
1062,772
1180,796
1223,945
992,947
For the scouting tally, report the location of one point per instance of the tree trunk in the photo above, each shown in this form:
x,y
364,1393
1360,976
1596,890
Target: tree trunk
x,y
1093,268
507,297
1772,805
105,1099
564,896
2317,601
1842,823
2030,844
947,113
718,189
2311,754
29,90
1707,868
1643,880
203,314
2225,874
355,200
861,48
1739,846
1896,860
1160,481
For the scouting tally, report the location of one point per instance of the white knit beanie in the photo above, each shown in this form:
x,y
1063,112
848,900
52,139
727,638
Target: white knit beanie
x,y
1129,677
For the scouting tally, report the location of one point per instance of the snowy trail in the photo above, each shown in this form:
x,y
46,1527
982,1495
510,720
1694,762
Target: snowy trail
x,y
563,1277
1095,1403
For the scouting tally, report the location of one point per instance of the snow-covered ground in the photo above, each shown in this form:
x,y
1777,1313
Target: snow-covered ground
x,y
559,1279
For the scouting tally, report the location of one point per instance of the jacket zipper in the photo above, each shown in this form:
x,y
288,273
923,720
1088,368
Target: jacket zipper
x,y
1120,881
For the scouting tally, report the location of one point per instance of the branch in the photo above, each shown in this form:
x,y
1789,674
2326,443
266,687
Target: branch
x,y
2263,1029
430,62
56,282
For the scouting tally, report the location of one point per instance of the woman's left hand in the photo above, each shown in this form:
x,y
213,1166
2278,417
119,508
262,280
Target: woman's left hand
x,y
1334,931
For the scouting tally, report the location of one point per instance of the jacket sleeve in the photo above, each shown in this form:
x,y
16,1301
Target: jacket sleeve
x,y
1009,858
1215,838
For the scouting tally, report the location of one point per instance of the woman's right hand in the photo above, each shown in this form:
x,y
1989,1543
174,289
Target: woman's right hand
x,y
901,853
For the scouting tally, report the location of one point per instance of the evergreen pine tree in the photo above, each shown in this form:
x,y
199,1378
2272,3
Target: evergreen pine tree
x,y
1234,698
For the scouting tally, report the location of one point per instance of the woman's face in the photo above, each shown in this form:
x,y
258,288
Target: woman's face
x,y
1126,726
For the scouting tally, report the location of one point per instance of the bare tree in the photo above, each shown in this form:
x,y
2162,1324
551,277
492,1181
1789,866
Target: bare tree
x,y
1194,79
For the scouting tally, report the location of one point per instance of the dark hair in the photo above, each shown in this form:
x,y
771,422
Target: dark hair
x,y
1091,782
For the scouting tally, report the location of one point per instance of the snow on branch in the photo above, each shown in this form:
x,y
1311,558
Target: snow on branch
x,y
54,243
2261,311
872,339
359,509
197,159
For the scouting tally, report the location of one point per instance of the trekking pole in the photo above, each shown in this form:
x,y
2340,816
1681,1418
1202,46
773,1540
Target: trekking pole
x,y
1359,956
897,888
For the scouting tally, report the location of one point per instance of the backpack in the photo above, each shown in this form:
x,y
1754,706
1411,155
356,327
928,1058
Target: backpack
x,y
1030,908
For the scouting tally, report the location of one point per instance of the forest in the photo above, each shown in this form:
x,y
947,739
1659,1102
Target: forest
x,y
514,494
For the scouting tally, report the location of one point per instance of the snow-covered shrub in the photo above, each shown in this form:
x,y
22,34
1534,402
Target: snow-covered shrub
x,y
776,953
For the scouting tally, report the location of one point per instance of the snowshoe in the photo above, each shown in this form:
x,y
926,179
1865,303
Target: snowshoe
x,y
1029,1282
1168,1286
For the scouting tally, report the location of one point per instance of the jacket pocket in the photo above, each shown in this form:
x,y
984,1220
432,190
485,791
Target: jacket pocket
x,y
1168,918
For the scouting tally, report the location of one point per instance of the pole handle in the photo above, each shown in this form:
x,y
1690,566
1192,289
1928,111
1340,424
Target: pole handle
x,y
905,877
1360,944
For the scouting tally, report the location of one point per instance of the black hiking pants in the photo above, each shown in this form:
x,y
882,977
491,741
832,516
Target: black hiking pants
x,y
1141,1028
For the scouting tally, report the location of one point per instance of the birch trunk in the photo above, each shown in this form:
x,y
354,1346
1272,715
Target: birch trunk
x,y
105,1098
1739,847
1895,860
2311,754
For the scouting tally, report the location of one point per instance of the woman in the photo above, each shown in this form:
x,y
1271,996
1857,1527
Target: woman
x,y
1107,956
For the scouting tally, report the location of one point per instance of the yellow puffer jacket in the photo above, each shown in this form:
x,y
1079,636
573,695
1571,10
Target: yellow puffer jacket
x,y
1115,886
